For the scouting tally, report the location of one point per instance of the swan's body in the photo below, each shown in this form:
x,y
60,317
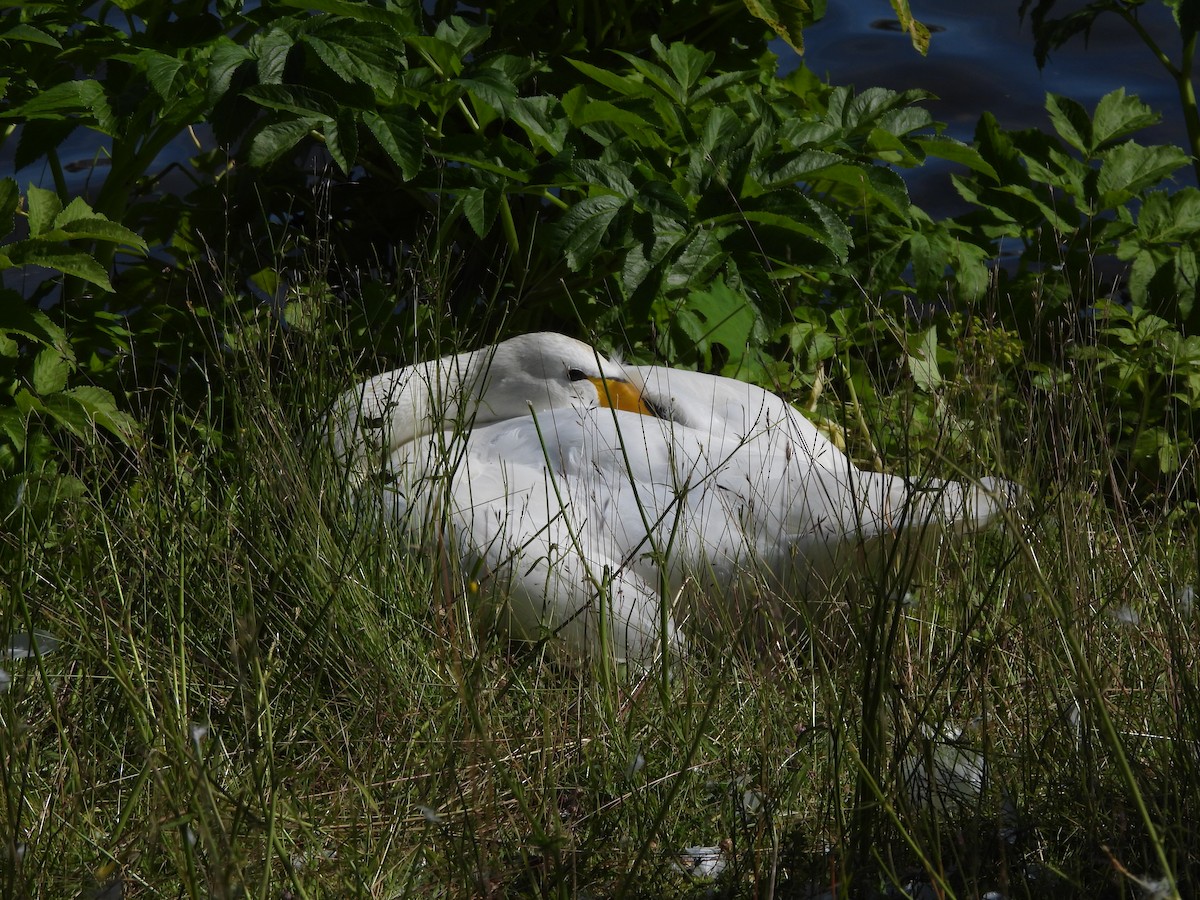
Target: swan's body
x,y
589,505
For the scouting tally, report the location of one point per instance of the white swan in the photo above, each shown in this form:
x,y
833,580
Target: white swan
x,y
586,492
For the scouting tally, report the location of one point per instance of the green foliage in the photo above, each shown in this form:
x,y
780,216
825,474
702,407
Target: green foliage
x,y
38,401
1052,32
1077,204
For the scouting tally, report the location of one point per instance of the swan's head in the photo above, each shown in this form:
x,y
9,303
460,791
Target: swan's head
x,y
544,371
532,373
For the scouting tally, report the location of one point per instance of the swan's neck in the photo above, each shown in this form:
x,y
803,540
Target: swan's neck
x,y
390,410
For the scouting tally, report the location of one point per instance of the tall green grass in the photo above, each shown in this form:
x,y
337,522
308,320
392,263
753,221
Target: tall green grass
x,y
261,692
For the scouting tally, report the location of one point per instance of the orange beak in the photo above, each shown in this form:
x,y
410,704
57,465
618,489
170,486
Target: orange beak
x,y
616,394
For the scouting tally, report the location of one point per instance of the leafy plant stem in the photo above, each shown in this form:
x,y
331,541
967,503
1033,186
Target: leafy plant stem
x,y
510,229
474,125
1182,76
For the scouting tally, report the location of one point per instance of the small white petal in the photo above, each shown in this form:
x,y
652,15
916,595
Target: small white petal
x,y
431,815
1187,600
702,862
23,646
635,765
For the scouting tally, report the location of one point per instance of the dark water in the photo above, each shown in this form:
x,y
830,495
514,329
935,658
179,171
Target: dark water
x,y
980,58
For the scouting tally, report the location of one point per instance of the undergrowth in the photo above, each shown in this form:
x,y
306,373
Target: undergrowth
x,y
256,691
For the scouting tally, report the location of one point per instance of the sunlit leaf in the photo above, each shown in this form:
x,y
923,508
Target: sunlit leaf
x,y
787,18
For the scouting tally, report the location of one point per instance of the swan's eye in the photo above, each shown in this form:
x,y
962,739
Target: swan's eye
x,y
576,374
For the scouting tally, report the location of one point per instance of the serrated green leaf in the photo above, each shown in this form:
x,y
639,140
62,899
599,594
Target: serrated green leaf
x,y
276,139
401,137
582,110
1118,116
10,199
622,84
16,317
787,18
162,71
67,412
582,229
227,56
794,167
101,408
443,57
54,256
724,316
352,58
922,363
101,229
687,63
49,372
306,102
541,120
271,50
480,206
85,98
955,151
29,34
1072,122
1128,168
341,139
43,207
657,76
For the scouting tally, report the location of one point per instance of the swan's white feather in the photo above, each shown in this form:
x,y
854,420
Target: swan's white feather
x,y
580,514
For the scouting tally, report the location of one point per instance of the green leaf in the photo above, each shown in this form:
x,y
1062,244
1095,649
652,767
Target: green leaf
x,y
1118,116
52,256
29,34
1072,122
787,18
162,71
622,84
687,63
101,408
271,50
955,151
307,102
444,58
541,120
225,60
10,199
99,229
581,111
726,317
1128,168
71,98
357,55
581,230
49,372
44,207
791,168
16,317
917,32
341,139
400,136
277,139
480,206
922,363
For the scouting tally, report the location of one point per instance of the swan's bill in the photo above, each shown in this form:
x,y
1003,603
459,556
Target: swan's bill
x,y
617,394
